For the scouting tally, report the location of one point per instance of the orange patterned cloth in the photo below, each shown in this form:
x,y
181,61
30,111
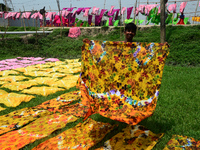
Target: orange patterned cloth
x,y
132,138
19,118
178,142
38,129
121,81
82,136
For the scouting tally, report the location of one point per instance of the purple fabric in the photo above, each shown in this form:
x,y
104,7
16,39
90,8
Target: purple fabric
x,y
110,21
70,9
117,14
101,14
89,19
97,20
129,10
71,18
79,10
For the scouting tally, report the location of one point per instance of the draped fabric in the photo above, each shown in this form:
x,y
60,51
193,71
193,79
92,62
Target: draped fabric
x,y
121,81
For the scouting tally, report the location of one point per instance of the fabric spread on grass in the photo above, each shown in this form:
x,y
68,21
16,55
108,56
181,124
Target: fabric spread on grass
x,y
13,78
38,129
121,81
14,99
43,90
18,86
77,110
21,62
44,80
2,92
67,82
132,137
82,136
56,104
1,108
19,118
8,72
178,142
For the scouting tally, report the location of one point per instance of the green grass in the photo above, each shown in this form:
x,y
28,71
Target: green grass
x,y
178,106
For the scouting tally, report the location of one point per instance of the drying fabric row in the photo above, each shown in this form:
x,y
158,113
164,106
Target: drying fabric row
x,y
83,136
20,62
95,11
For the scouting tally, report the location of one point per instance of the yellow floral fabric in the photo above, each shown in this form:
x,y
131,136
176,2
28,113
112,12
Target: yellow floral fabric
x,y
44,80
120,80
1,108
38,129
132,138
44,91
13,78
178,142
2,92
14,99
8,72
19,118
82,136
18,86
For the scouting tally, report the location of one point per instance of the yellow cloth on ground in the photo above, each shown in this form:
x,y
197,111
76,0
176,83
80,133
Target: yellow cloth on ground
x,y
18,86
44,80
2,92
13,78
8,72
38,129
36,73
56,104
121,81
19,118
44,91
132,137
27,69
82,136
4,82
72,60
178,142
14,99
1,108
66,82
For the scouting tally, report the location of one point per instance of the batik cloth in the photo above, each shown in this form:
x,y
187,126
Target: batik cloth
x,y
178,142
38,129
132,138
19,118
82,136
121,81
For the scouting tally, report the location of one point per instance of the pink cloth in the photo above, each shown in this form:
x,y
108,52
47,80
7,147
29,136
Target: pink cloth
x,y
86,8
5,15
113,12
182,6
172,7
74,13
95,11
26,15
70,9
74,32
86,12
79,10
141,9
129,11
37,15
49,15
18,15
148,8
136,11
52,59
8,15
123,10
111,9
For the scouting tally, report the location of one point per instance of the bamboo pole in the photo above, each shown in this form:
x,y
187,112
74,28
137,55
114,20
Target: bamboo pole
x,y
24,23
135,11
26,20
146,16
8,20
196,9
120,6
162,22
173,16
60,16
20,17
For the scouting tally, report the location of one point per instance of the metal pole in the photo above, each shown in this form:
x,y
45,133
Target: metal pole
x,y
162,22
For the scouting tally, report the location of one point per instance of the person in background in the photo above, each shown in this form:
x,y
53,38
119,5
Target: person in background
x,y
130,32
182,16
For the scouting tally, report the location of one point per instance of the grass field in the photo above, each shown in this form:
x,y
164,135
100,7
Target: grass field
x,y
177,111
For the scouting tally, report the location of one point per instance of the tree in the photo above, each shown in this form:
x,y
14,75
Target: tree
x,y
3,7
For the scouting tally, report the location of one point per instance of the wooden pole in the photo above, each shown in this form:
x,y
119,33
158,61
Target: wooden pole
x,y
135,11
26,20
120,6
146,16
162,22
196,9
60,16
8,20
20,17
104,4
173,15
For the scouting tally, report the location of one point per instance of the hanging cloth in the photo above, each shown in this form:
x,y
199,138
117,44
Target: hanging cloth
x,y
129,10
101,15
121,81
172,7
79,10
182,6
123,10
